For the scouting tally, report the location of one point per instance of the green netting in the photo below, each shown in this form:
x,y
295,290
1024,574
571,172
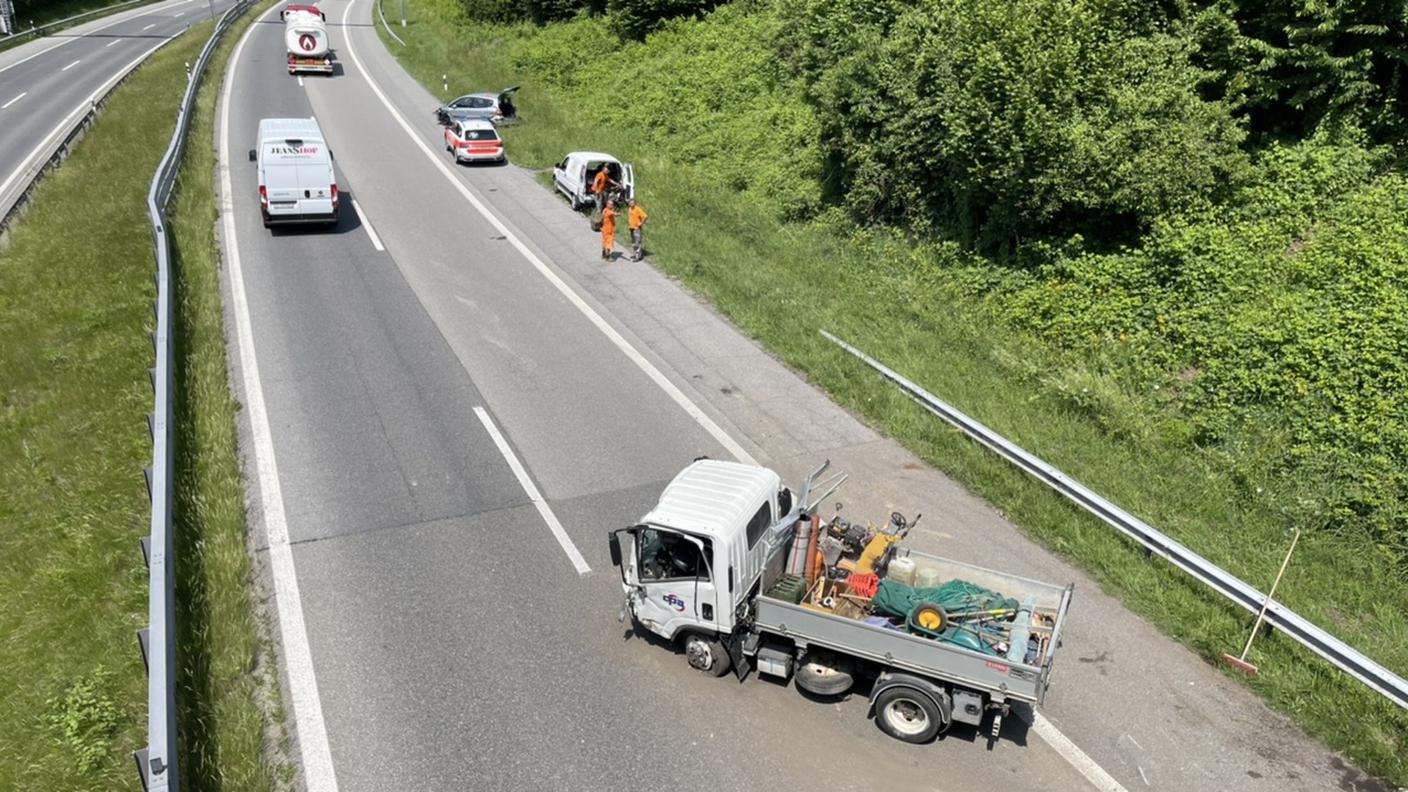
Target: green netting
x,y
956,597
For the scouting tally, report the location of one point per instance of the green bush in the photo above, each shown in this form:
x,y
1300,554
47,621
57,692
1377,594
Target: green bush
x,y
1273,325
1011,120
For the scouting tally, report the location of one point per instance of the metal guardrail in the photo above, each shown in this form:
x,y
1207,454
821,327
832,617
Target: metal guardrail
x,y
382,13
68,21
157,764
1297,628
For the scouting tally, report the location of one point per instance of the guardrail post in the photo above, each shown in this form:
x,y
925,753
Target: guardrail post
x,y
140,757
144,643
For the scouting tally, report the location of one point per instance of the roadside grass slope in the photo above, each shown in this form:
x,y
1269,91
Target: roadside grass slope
x,y
724,203
76,293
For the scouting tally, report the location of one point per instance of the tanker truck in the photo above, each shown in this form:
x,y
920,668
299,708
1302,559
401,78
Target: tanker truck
x,y
306,37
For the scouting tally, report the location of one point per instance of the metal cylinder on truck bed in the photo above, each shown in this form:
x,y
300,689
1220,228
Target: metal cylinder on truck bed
x,y
797,555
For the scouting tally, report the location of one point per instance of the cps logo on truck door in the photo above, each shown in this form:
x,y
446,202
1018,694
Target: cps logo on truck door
x,y
674,602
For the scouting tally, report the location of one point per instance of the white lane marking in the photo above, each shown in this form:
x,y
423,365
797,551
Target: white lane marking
x,y
1053,737
117,20
177,14
371,232
149,27
81,108
595,318
533,494
71,65
298,657
6,106
300,81
1072,753
112,43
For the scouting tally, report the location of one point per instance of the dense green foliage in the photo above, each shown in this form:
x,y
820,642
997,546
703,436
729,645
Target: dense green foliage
x,y
1013,119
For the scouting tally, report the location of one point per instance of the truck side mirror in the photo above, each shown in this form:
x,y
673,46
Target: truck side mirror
x,y
613,542
253,155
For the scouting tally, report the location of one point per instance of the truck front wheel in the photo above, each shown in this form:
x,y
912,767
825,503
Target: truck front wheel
x,y
706,654
909,715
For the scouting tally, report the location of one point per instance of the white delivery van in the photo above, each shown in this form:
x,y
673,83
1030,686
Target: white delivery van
x,y
296,179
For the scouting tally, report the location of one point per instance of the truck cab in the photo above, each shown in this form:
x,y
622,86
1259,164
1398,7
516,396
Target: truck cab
x,y
694,561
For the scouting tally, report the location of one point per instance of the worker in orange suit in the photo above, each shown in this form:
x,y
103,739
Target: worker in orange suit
x,y
635,221
608,230
600,184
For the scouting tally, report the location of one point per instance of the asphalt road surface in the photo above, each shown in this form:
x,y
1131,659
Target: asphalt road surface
x,y
46,85
416,376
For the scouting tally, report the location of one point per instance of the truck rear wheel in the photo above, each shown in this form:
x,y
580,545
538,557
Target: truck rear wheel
x,y
706,654
909,715
822,674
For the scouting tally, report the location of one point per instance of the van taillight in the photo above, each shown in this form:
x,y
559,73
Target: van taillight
x,y
263,196
334,195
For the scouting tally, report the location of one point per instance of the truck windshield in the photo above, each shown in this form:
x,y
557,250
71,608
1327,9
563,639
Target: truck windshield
x,y
667,555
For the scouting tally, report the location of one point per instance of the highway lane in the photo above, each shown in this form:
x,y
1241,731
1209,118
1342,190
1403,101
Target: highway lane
x,y
453,645
46,84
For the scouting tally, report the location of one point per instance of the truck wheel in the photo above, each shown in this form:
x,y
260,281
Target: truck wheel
x,y
707,655
823,675
907,714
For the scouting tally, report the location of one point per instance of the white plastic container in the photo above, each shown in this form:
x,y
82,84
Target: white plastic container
x,y
928,577
901,570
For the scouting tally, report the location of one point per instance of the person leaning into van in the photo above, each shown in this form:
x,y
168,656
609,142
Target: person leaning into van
x,y
635,220
608,230
600,184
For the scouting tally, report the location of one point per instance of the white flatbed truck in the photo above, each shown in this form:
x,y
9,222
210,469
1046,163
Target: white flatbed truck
x,y
695,568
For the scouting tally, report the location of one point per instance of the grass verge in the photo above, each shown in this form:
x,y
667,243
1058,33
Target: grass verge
x,y
228,698
76,291
782,282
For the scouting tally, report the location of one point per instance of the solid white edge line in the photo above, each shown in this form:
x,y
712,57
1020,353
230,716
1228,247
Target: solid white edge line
x,y
71,65
534,495
6,106
595,318
1068,750
1072,753
309,725
371,232
82,107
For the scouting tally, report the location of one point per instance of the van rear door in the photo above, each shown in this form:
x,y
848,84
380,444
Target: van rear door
x,y
628,179
281,181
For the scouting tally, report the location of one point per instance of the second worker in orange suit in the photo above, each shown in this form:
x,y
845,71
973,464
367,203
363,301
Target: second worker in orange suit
x,y
635,220
608,230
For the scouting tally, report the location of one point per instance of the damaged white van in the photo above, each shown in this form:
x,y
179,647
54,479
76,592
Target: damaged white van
x,y
296,179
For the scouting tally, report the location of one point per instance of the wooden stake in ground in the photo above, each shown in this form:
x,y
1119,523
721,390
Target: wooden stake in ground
x,y
1241,662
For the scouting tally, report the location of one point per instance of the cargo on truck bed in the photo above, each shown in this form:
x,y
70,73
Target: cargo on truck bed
x,y
745,575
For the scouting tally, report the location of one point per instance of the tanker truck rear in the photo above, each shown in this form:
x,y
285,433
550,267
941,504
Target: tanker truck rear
x,y
306,37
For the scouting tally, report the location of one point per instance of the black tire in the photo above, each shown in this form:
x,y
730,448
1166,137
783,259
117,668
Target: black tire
x,y
824,675
706,654
909,715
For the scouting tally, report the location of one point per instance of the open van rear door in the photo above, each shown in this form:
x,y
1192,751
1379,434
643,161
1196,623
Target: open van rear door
x,y
628,179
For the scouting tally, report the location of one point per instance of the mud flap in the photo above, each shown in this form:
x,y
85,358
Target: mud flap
x,y
742,664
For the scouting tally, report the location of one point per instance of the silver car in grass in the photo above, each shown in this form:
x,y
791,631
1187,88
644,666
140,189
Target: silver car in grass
x,y
487,106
